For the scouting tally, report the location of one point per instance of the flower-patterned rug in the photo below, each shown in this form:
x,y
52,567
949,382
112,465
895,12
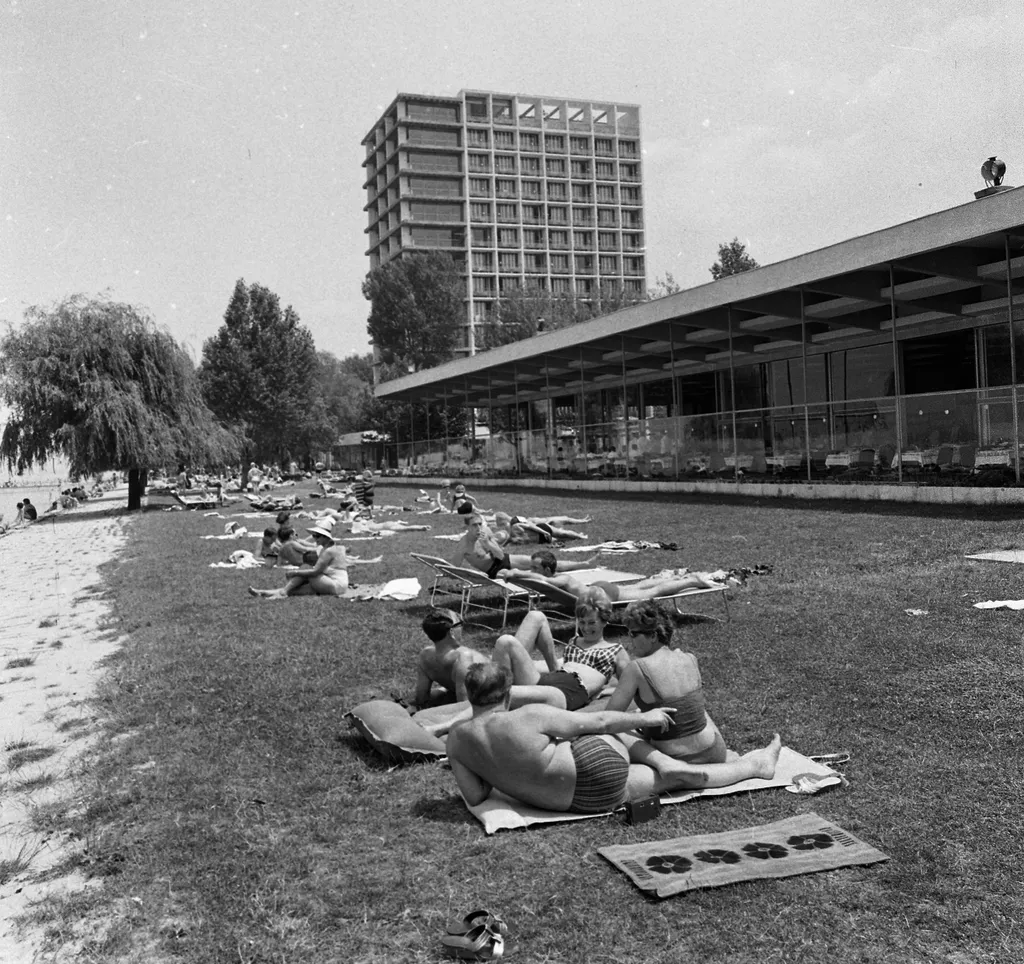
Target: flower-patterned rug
x,y
799,845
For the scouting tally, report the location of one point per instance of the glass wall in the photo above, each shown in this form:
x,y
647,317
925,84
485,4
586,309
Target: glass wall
x,y
832,415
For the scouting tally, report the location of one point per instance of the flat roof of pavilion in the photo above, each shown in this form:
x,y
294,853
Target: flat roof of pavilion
x,y
948,265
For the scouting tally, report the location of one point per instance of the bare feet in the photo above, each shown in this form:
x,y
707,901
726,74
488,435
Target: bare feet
x,y
765,760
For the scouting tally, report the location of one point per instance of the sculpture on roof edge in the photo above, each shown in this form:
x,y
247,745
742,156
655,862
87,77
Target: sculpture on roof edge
x,y
992,171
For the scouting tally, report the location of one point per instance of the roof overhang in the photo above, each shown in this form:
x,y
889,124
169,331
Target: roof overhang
x,y
948,265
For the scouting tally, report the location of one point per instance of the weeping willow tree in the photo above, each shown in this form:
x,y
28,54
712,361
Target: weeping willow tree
x,y
95,381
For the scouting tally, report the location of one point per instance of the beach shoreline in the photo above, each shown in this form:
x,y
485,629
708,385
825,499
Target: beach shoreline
x,y
55,638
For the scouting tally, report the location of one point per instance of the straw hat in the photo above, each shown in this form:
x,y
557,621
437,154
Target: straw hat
x,y
325,527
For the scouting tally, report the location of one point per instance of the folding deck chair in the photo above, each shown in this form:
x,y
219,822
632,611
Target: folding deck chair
x,y
476,582
445,583
196,500
539,589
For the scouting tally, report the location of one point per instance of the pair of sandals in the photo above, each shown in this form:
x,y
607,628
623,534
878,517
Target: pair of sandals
x,y
479,936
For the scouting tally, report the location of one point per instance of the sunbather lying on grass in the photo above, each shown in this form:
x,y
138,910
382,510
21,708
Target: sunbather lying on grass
x,y
515,530
565,761
543,565
479,549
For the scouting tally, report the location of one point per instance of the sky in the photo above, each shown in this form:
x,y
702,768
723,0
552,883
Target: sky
x,y
158,152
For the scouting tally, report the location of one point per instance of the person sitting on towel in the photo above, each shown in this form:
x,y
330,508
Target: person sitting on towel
x,y
328,577
460,497
543,565
569,762
516,531
270,546
660,675
291,551
588,663
447,660
478,548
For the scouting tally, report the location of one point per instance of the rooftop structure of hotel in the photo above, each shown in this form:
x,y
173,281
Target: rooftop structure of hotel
x,y
528,193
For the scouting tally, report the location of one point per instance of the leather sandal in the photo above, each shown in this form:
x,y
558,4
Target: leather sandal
x,y
473,919
479,944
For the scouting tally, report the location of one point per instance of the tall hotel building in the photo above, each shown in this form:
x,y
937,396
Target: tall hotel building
x,y
524,192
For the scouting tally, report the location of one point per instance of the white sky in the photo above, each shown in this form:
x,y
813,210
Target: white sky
x,y
160,151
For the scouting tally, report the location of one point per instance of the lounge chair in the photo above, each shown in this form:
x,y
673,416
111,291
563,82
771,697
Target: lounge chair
x,y
444,583
540,589
475,584
196,499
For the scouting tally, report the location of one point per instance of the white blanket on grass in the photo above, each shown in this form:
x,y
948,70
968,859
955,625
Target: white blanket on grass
x,y
500,812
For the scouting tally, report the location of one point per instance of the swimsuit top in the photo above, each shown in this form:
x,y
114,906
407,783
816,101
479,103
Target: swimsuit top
x,y
601,658
690,716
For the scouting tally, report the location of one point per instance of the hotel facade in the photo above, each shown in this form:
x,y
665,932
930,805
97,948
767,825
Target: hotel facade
x,y
526,193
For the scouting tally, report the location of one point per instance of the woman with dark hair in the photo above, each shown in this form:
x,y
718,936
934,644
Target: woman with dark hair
x,y
666,677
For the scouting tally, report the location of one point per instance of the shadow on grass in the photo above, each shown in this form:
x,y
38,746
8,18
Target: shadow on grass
x,y
450,809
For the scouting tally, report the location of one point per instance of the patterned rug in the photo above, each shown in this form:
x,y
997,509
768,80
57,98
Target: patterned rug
x,y
800,845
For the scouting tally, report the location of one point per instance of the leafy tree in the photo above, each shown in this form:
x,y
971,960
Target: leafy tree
x,y
732,259
416,311
523,314
260,373
347,389
94,381
663,287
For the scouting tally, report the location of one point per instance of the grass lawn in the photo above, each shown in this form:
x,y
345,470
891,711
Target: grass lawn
x,y
235,817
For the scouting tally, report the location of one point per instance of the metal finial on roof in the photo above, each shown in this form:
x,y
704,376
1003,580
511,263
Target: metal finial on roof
x,y
992,171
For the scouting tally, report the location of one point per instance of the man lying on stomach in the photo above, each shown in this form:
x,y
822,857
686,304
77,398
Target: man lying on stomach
x,y
568,762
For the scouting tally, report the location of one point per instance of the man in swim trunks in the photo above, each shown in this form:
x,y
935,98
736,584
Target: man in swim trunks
x,y
479,548
553,758
446,660
543,564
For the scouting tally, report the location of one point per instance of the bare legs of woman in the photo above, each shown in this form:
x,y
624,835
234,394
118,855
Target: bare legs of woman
x,y
514,653
300,586
660,773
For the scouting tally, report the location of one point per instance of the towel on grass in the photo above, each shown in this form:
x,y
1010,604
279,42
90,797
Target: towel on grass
x,y
1000,604
239,559
805,844
1000,555
399,589
500,812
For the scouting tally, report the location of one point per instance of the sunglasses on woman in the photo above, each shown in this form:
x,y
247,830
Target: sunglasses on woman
x,y
633,633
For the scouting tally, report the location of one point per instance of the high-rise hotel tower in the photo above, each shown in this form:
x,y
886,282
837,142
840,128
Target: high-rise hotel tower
x,y
524,192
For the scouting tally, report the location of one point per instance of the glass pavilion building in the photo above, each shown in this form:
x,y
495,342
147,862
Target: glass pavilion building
x,y
894,356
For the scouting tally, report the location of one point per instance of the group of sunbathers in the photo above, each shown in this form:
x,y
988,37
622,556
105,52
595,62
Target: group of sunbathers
x,y
524,733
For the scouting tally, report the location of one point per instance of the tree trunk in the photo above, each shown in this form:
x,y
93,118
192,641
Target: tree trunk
x,y
137,479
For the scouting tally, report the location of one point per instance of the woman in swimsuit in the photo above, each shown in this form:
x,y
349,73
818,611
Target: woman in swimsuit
x,y
327,577
668,678
588,663
663,676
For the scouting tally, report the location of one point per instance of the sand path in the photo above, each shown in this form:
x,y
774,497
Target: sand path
x,y
52,639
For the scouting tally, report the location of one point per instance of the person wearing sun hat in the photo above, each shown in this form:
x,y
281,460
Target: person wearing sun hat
x,y
328,576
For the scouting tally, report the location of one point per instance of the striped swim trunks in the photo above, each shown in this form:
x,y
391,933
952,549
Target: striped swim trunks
x,y
601,775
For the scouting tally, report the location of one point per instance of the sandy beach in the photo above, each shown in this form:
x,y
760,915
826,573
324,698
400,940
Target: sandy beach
x,y
52,642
